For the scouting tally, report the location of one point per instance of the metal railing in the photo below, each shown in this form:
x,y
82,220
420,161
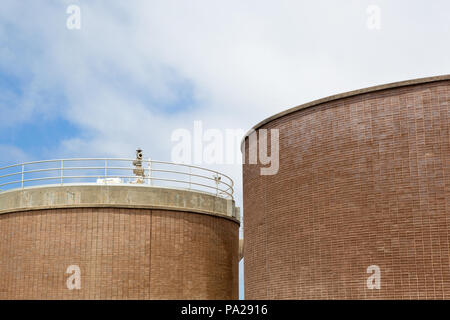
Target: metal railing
x,y
111,171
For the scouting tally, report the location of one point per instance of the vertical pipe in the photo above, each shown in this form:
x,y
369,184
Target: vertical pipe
x,y
217,184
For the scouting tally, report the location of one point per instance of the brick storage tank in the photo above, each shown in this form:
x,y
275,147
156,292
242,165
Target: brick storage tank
x,y
122,240
361,197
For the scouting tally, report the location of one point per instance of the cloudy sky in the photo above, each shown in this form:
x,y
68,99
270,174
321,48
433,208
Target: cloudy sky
x,y
136,71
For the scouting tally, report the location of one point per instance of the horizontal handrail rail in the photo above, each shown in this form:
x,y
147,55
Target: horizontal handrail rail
x,y
113,159
197,178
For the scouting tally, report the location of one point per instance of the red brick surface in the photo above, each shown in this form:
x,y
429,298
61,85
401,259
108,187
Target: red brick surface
x,y
363,180
122,254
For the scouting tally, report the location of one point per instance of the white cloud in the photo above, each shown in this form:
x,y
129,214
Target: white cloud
x,y
10,155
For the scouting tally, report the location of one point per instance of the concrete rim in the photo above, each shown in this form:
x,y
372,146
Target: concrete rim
x,y
120,196
347,94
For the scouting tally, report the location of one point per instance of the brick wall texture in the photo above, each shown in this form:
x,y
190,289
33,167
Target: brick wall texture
x,y
363,180
122,254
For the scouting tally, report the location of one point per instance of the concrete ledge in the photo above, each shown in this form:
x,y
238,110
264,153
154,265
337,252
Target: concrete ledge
x,y
118,196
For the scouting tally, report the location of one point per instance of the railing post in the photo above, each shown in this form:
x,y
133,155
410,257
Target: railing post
x,y
23,170
150,171
62,171
106,169
190,177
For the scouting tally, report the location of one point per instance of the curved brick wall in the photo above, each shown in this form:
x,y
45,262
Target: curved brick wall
x,y
364,179
122,254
